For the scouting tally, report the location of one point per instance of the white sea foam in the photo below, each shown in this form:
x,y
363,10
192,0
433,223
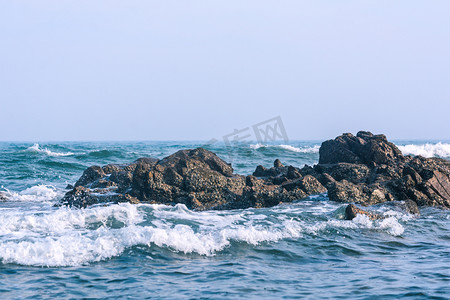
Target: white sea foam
x,y
313,149
37,149
389,225
67,237
39,193
427,150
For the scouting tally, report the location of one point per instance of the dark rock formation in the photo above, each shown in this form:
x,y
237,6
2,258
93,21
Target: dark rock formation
x,y
368,169
365,169
363,148
411,207
3,197
197,178
351,211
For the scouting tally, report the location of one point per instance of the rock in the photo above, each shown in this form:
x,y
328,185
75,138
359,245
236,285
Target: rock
x,y
345,191
277,164
342,149
352,172
437,188
260,171
311,185
293,173
197,178
351,211
90,175
411,207
378,150
364,148
365,169
3,197
307,184
368,169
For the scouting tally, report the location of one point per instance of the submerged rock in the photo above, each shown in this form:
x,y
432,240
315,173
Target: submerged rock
x,y
411,207
408,206
351,211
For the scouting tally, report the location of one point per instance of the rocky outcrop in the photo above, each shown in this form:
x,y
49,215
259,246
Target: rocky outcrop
x,y
364,148
3,197
197,178
365,169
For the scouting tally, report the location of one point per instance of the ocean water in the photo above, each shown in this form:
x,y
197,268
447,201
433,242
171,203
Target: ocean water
x,y
298,250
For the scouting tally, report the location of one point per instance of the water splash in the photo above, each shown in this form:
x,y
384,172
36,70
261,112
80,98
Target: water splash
x,y
427,150
37,149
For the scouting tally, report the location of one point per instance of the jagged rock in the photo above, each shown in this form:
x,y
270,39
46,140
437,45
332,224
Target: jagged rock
x,y
352,172
293,173
197,178
378,150
311,185
260,171
277,164
365,169
351,211
90,175
345,191
278,170
364,148
3,197
368,169
278,174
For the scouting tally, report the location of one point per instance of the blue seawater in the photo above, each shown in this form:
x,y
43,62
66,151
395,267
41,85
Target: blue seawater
x,y
298,250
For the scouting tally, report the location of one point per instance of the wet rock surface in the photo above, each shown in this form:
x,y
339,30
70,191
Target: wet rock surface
x,y
197,178
365,169
351,211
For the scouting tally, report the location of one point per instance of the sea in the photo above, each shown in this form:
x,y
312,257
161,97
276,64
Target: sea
x,y
295,250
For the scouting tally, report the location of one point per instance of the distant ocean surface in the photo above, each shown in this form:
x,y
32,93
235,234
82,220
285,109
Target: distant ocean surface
x,y
298,250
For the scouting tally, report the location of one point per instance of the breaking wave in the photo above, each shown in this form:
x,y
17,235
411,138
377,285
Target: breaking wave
x,y
37,193
70,237
37,149
427,150
313,149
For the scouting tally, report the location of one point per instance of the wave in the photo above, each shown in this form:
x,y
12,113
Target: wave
x,y
38,193
313,149
427,150
36,148
105,153
70,237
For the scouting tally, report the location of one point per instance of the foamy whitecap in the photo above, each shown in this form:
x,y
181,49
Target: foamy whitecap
x,y
67,237
313,149
389,225
37,149
38,193
427,150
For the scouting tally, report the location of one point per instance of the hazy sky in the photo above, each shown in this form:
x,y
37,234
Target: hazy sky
x,y
168,70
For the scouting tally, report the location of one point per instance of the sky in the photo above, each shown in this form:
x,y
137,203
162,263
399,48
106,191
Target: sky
x,y
196,70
